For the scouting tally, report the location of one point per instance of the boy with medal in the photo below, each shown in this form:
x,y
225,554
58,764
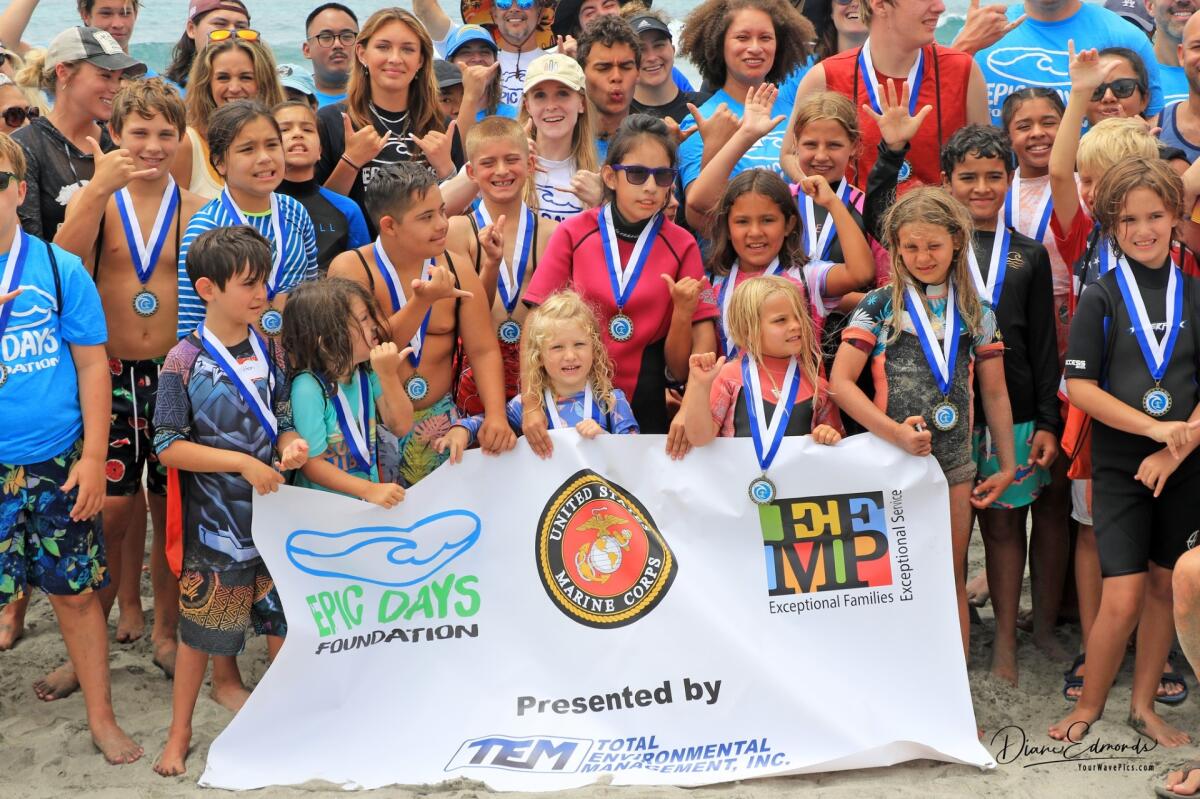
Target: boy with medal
x,y
432,299
224,421
126,225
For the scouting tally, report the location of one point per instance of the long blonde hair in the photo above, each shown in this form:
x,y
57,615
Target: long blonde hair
x,y
743,323
583,143
423,113
559,308
199,101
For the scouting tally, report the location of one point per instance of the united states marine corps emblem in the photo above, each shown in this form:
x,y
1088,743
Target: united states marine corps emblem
x,y
600,556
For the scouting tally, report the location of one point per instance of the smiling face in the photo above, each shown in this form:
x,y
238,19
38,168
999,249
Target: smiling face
x,y
423,225
474,54
117,17
232,77
781,330
912,22
639,202
254,163
515,24
847,19
12,97
301,143
554,108
1144,227
658,59
927,252
220,20
757,229
1032,131
611,73
1110,106
1170,16
499,166
825,149
980,184
392,56
567,358
749,47
91,89
151,142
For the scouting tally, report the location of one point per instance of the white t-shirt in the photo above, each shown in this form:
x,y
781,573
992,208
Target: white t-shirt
x,y
552,203
512,68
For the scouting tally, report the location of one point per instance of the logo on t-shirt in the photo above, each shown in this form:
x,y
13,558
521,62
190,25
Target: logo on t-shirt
x,y
31,341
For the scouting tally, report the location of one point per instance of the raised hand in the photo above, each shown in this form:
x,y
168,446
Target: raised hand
x,y
818,188
718,127
703,368
680,136
491,239
1085,69
587,186
756,118
114,170
364,144
896,126
439,286
436,146
984,26
477,78
685,293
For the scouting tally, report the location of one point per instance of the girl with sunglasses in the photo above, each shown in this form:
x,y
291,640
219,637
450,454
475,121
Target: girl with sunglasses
x,y
640,271
1123,93
236,65
15,110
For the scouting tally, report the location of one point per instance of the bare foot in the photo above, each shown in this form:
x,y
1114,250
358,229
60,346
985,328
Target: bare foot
x,y
1025,620
131,625
58,684
117,747
230,697
164,656
1049,646
1151,725
12,625
171,763
977,590
1004,666
1075,726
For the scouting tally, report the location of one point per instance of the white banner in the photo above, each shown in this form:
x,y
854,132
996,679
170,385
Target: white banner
x,y
611,614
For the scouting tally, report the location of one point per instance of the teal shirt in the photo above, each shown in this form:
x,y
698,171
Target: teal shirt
x,y
316,421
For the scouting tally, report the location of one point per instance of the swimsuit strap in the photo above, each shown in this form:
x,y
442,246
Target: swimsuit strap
x,y
100,245
478,247
366,268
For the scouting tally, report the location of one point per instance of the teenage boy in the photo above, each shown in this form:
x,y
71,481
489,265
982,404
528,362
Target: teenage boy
x,y
611,55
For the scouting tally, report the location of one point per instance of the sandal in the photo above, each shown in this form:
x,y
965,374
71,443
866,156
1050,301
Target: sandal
x,y
1071,678
1173,677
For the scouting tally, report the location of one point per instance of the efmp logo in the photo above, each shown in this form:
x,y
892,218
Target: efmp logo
x,y
828,543
601,558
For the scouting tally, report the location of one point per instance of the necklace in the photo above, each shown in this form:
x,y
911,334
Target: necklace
x,y
387,120
774,385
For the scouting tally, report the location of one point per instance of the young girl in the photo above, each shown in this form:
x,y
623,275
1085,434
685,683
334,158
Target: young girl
x,y
925,334
567,374
1131,365
345,371
237,67
247,152
780,363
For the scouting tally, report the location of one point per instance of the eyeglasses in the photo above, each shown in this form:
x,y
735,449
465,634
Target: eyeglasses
x,y
6,179
326,38
1121,88
245,34
664,176
15,117
505,5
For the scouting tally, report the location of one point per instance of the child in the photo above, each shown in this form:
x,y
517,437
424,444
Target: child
x,y
434,304
332,330
1012,274
770,326
247,149
925,334
55,402
337,221
500,164
223,420
567,373
1131,365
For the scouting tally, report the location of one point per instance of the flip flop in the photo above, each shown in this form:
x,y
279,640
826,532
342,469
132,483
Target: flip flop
x,y
1160,790
1173,677
1071,679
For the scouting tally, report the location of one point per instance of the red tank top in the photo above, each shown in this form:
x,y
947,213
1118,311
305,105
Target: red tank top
x,y
944,83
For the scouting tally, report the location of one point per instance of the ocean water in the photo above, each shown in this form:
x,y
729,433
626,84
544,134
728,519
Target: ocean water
x,y
161,23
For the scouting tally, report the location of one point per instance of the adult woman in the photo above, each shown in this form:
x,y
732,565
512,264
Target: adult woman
x,y
15,110
839,26
233,68
204,17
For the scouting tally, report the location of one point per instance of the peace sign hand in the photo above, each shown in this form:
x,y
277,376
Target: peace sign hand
x,y
896,125
491,239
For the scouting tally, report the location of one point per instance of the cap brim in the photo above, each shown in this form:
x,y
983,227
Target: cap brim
x,y
551,79
127,64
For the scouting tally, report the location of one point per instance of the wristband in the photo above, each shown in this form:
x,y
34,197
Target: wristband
x,y
351,163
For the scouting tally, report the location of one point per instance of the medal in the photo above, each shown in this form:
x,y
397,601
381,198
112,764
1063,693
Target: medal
x,y
416,386
590,411
942,359
1156,352
1034,228
245,386
726,295
145,254
14,266
871,82
991,287
356,427
509,331
767,436
508,284
271,322
624,277
278,240
817,246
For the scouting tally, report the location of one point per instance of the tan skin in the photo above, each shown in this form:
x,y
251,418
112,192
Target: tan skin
x,y
11,97
1111,106
232,79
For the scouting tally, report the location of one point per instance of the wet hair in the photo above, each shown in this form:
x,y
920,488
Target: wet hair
x,y
1132,173
563,307
327,7
228,122
424,114
1110,141
11,152
831,106
147,98
703,38
931,205
721,253
225,253
1136,64
200,103
633,129
392,189
743,322
319,328
1014,101
979,141
608,30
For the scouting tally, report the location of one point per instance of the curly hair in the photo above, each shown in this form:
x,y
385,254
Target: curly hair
x,y
703,39
744,322
319,327
1154,174
721,253
563,307
199,100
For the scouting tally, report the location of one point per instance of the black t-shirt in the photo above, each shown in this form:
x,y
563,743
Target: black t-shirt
x,y
55,170
676,109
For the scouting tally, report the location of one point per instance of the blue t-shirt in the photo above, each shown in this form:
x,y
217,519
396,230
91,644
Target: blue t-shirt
x,y
502,110
324,99
1174,84
1035,53
316,422
39,402
764,153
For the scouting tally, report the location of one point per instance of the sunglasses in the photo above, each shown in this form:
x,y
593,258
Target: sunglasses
x,y
505,5
345,38
1121,88
15,117
6,179
245,34
664,176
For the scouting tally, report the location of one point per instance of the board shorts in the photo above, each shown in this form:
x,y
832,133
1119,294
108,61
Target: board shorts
x,y
131,436
1027,486
417,457
1134,528
217,607
1081,501
40,545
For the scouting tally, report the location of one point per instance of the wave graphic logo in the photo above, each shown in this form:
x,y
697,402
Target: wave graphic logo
x,y
394,557
1031,66
33,317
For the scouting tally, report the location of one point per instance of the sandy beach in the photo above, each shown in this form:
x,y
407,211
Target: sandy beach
x,y
45,750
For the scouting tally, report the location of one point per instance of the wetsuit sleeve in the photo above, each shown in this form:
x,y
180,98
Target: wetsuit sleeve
x,y
554,268
356,223
881,188
1089,335
1042,343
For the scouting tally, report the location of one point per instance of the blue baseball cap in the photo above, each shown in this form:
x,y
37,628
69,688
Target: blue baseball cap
x,y
297,78
466,34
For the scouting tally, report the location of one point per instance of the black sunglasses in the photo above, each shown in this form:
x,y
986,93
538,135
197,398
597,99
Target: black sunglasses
x,y
6,179
1121,88
15,117
664,176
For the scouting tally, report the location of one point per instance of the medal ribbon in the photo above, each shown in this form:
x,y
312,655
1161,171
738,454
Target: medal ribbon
x,y
392,280
509,284
14,267
216,350
355,430
768,436
1107,256
1012,210
817,247
871,83
726,295
624,277
589,409
1155,351
278,242
145,256
941,361
990,288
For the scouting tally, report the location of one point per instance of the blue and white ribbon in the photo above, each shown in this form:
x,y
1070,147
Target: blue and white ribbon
x,y
817,247
145,253
1035,227
1155,351
392,280
991,287
243,383
278,240
590,411
356,427
871,83
768,436
941,360
624,277
726,295
511,277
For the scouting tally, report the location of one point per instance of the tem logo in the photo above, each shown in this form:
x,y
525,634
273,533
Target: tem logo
x,y
826,543
545,755
600,556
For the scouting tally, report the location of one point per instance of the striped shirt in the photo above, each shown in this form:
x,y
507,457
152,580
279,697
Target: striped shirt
x,y
299,252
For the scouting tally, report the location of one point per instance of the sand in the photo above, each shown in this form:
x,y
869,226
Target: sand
x,y
45,749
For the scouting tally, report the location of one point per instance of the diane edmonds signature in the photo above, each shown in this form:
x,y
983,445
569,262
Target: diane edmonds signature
x,y
1014,745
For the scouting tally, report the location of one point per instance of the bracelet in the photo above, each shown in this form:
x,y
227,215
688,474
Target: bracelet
x,y
351,163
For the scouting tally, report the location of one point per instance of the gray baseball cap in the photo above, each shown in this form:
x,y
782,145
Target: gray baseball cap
x,y
94,46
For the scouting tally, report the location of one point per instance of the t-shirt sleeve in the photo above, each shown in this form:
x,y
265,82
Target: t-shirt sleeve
x,y
1071,243
82,314
1141,45
1089,335
173,406
866,322
554,268
690,154
308,413
621,417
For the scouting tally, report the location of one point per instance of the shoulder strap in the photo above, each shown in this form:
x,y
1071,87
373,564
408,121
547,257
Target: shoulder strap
x,y
100,246
58,295
475,230
537,221
366,268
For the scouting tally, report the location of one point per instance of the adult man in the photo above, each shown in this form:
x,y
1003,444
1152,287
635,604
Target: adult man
x,y
329,34
1180,121
656,93
1035,52
1169,18
610,54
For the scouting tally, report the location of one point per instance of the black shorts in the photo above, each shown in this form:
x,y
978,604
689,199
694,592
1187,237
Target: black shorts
x,y
1133,528
131,437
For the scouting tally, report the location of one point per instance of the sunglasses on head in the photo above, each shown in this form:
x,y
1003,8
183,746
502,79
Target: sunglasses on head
x,y
15,117
505,5
664,176
1121,88
245,34
6,179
